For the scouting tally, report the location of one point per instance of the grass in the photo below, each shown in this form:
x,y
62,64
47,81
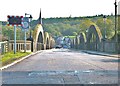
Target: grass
x,y
10,57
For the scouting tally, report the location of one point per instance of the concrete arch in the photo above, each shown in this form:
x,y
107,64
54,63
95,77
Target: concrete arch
x,y
46,40
82,40
38,36
73,43
77,42
52,42
94,37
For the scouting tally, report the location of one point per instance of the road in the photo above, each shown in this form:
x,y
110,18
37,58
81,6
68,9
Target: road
x,y
63,66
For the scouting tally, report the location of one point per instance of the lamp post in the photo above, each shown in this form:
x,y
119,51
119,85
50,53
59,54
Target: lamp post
x,y
30,25
25,30
104,19
116,44
30,22
104,33
30,37
115,20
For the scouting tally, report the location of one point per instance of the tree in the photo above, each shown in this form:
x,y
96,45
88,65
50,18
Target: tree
x,y
108,26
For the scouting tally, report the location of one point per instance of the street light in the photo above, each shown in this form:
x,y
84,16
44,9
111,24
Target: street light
x,y
104,34
28,27
30,23
104,19
115,20
30,37
116,47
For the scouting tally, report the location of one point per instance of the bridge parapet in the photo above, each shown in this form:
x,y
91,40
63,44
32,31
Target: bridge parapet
x,y
82,41
9,46
92,40
94,37
52,42
46,40
38,37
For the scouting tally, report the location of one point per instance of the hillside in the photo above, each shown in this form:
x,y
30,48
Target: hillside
x,y
66,26
74,25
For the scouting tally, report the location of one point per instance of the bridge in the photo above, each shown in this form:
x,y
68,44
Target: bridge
x,y
39,40
63,66
93,40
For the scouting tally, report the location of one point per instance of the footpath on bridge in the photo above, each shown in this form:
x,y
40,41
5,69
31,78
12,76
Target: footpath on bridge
x,y
101,53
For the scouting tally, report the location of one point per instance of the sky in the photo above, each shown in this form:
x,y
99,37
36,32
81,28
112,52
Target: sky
x,y
55,8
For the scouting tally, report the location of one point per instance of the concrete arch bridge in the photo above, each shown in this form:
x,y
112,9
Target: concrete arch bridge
x,y
93,40
42,40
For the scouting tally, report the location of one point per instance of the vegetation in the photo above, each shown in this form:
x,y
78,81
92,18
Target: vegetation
x,y
8,33
66,26
11,57
73,26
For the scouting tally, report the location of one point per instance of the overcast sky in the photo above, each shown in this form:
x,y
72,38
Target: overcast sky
x,y
55,8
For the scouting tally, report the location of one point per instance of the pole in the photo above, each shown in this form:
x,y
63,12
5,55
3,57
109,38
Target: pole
x,y
30,25
24,40
115,20
9,40
104,28
116,44
104,35
14,39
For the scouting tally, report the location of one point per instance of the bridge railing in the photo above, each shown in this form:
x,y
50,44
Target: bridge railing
x,y
9,46
4,47
20,45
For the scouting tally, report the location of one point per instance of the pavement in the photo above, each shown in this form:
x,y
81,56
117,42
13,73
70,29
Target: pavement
x,y
19,60
101,53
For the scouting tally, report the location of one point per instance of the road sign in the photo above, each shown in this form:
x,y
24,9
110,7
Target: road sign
x,y
4,23
15,20
25,23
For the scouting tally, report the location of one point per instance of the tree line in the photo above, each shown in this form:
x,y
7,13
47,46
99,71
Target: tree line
x,y
66,26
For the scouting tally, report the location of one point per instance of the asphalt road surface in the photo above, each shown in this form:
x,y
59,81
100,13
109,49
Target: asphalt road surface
x,y
63,66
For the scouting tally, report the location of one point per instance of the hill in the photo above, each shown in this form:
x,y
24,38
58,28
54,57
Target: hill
x,y
66,26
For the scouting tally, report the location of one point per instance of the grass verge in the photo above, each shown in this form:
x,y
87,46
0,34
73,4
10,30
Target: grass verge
x,y
10,57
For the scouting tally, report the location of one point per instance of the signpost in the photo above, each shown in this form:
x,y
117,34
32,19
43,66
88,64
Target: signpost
x,y
25,26
15,21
